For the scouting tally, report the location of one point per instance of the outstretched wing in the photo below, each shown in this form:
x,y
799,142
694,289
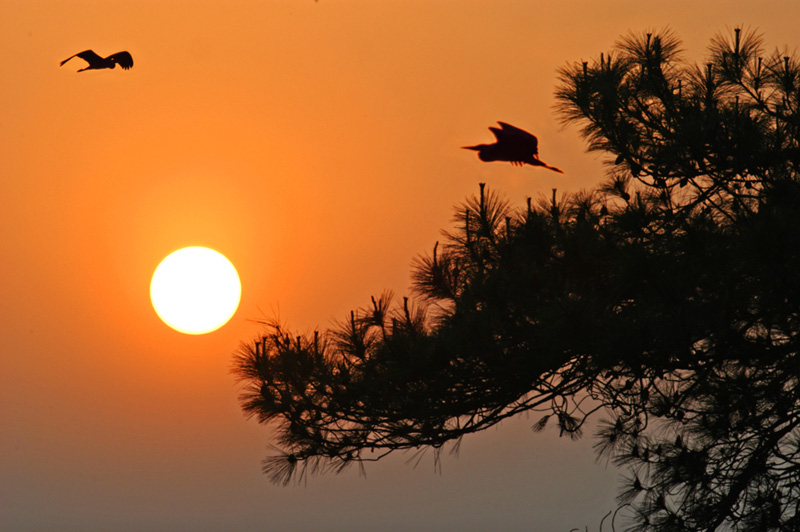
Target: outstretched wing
x,y
516,138
123,59
87,55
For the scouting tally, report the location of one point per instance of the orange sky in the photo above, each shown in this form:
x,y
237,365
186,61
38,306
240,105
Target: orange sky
x,y
316,145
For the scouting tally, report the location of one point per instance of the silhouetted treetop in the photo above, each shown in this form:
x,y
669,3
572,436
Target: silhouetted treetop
x,y
668,299
727,128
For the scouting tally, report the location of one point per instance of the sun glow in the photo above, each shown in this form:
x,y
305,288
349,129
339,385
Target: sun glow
x,y
195,290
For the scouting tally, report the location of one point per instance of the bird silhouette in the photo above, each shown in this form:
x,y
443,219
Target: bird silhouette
x,y
514,145
96,62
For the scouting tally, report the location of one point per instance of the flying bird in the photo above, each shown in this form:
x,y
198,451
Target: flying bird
x,y
514,145
96,62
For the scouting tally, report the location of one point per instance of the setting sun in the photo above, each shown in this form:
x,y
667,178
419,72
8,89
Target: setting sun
x,y
195,290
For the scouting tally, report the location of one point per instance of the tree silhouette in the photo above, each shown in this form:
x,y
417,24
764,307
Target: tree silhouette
x,y
668,299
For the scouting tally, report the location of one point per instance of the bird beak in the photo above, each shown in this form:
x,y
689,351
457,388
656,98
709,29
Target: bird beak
x,y
474,148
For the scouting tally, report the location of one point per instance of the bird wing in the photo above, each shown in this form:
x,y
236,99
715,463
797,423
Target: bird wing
x,y
123,59
87,55
516,137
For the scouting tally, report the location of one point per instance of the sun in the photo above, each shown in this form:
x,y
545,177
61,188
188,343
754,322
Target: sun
x,y
195,290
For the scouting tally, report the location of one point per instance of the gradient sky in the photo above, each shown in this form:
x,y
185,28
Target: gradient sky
x,y
316,145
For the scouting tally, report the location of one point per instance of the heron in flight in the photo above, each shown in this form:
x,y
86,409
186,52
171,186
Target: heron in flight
x,y
96,62
514,145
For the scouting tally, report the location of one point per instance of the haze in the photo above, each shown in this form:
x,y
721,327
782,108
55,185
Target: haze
x,y
316,145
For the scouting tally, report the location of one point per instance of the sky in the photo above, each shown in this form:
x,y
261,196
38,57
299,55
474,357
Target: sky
x,y
316,145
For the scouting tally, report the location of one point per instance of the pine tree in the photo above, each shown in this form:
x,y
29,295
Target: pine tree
x,y
667,300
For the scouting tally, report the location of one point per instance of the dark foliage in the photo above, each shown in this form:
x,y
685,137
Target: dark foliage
x,y
668,299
